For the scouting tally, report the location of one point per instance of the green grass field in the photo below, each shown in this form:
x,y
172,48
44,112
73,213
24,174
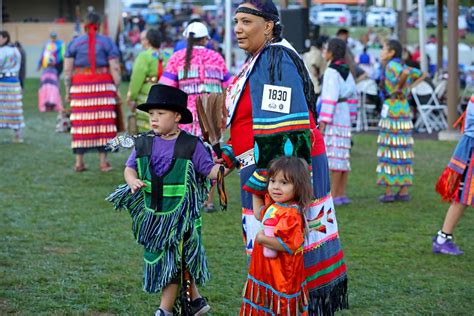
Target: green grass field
x,y
65,251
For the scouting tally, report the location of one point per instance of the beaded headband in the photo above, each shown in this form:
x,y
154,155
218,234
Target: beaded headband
x,y
265,15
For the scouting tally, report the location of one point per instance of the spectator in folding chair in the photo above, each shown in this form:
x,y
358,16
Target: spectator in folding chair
x,y
454,186
395,141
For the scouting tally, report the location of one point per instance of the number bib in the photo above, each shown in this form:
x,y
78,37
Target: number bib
x,y
276,99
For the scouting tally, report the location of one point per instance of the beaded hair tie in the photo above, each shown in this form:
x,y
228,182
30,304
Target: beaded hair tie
x,y
266,16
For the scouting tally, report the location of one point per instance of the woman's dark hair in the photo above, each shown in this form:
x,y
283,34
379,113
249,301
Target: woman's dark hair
x,y
338,48
6,35
154,37
268,7
396,46
296,171
189,51
93,18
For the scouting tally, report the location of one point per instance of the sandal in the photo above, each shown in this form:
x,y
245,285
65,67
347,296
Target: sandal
x,y
80,168
106,167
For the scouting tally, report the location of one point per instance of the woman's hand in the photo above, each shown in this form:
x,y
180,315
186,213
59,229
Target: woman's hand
x,y
322,127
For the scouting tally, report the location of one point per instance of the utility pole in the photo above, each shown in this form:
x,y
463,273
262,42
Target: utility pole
x,y
440,40
453,82
228,34
422,34
402,23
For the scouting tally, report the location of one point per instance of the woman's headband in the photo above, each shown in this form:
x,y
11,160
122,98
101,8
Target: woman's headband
x,y
265,15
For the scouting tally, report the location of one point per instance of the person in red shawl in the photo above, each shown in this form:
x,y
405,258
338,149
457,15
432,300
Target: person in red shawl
x,y
275,282
92,77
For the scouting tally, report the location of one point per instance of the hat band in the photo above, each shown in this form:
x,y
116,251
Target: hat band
x,y
266,16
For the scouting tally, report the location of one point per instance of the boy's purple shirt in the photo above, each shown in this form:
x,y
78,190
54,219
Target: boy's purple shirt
x,y
162,156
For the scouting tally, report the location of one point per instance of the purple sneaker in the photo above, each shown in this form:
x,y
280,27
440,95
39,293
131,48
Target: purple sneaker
x,y
345,200
387,198
448,248
403,198
337,201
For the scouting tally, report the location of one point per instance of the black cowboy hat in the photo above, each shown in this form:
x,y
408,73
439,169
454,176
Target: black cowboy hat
x,y
168,98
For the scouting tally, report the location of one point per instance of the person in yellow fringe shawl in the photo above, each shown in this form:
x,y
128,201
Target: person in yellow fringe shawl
x,y
147,70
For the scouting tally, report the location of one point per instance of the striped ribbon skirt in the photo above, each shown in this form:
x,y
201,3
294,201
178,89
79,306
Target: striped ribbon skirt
x,y
93,111
11,106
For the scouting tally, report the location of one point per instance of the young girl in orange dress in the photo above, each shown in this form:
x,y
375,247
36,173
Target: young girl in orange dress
x,y
276,282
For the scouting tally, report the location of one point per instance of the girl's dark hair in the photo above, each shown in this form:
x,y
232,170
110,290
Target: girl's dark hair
x,y
93,18
6,35
338,48
189,51
296,171
396,46
154,37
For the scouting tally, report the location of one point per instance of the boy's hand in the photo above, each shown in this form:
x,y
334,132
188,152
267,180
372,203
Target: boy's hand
x,y
136,185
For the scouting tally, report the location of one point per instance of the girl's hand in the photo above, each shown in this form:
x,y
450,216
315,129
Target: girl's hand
x,y
258,237
136,185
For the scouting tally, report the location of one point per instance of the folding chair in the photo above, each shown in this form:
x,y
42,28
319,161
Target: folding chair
x,y
367,116
431,114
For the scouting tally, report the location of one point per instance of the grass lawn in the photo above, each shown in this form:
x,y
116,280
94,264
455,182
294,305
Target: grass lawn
x,y
65,251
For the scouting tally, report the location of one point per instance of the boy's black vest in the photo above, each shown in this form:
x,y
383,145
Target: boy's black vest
x,y
172,201
164,194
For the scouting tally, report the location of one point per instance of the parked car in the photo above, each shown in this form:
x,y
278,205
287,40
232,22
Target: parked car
x,y
379,16
334,14
431,17
313,14
358,15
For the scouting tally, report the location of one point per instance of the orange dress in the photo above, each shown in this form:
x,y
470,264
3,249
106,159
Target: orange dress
x,y
277,286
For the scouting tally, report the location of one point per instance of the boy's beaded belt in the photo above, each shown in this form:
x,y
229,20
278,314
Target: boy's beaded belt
x,y
88,70
8,74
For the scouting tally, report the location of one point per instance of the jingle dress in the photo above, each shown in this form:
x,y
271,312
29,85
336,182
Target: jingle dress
x,y
259,135
339,104
395,141
147,70
207,73
93,93
11,106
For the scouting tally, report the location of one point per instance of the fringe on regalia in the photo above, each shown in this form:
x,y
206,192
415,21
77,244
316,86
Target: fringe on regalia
x,y
162,235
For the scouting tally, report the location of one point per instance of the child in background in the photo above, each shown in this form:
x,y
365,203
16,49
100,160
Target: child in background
x,y
339,103
166,189
49,96
455,186
278,285
395,151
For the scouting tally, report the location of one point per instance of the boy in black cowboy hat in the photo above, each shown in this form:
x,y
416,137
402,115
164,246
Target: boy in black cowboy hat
x,y
167,183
